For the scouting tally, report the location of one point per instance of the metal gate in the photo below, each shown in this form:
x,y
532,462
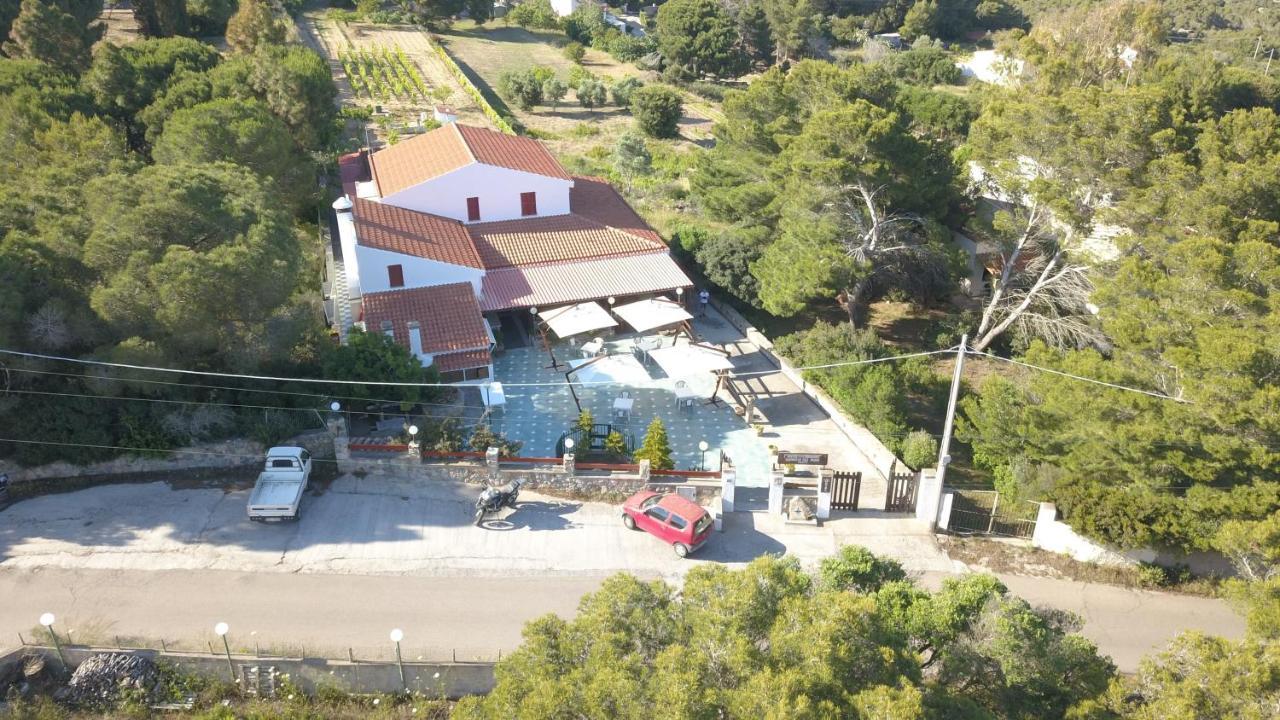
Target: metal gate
x,y
901,496
979,512
845,487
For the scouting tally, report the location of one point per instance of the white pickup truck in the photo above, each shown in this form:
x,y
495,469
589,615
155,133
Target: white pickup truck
x,y
279,489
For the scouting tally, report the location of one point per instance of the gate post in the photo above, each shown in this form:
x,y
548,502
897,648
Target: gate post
x,y
776,479
929,497
824,493
728,479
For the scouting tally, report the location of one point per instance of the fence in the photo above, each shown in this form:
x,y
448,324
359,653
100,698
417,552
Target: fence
x,y
979,512
494,116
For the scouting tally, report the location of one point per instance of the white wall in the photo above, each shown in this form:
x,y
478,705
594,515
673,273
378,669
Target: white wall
x,y
350,262
564,7
1056,536
498,189
418,272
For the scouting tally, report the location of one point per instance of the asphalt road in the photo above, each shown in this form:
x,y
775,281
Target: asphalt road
x,y
371,554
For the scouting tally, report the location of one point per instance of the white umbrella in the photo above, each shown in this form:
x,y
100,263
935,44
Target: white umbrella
x,y
620,369
686,360
577,319
645,315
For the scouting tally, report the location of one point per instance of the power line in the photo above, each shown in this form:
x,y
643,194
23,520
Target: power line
x,y
1114,386
325,396
271,378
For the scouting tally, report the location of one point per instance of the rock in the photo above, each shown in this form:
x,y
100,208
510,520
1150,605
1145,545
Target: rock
x,y
101,678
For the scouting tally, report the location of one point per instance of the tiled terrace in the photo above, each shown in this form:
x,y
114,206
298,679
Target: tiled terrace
x,y
539,414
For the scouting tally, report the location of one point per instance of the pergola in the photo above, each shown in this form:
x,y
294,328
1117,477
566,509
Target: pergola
x,y
571,320
691,359
606,369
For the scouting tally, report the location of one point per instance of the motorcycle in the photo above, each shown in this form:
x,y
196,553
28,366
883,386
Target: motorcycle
x,y
494,498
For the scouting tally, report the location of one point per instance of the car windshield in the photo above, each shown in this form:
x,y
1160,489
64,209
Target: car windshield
x,y
650,502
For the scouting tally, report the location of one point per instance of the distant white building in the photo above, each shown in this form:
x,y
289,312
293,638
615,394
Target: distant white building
x,y
992,67
564,8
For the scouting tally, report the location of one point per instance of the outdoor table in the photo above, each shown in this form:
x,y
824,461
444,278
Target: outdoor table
x,y
593,348
685,396
622,407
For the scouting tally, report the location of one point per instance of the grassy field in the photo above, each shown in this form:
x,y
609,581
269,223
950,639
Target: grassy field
x,y
486,52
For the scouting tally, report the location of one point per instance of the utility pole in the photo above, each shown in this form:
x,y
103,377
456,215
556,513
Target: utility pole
x,y
944,457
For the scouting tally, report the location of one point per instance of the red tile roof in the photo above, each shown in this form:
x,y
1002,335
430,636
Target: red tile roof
x,y
448,316
557,238
353,168
388,227
463,360
582,280
453,146
595,199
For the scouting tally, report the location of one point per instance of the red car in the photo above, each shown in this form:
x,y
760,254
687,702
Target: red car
x,y
675,520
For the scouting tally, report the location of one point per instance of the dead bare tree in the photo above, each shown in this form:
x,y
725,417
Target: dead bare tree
x,y
1042,290
888,250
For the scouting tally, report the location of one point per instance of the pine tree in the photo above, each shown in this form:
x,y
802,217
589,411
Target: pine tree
x,y
656,448
253,25
615,444
58,32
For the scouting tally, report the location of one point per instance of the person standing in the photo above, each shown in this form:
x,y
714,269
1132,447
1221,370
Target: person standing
x,y
704,298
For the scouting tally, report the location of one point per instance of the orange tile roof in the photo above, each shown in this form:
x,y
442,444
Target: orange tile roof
x,y
448,316
453,146
531,241
388,227
463,360
511,151
594,198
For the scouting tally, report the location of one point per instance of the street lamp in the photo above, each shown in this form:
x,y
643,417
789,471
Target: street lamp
x,y
612,300
702,455
335,406
568,445
396,636
47,621
221,630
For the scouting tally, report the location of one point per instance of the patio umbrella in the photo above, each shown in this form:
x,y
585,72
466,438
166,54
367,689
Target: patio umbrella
x,y
577,319
645,315
617,369
689,359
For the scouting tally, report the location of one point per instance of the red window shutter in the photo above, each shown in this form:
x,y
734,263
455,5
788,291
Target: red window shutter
x,y
473,209
528,203
395,275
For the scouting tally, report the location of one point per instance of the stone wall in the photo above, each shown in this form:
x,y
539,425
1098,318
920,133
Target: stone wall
x,y
231,461
452,680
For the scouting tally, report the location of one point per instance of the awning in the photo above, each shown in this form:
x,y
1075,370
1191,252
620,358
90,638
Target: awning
x,y
650,314
686,359
577,319
619,369
575,281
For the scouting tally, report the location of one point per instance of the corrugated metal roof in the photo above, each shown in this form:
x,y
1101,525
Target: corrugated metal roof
x,y
557,283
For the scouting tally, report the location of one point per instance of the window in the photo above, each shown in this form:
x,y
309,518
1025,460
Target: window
x,y
386,329
528,203
657,513
395,275
473,209
678,522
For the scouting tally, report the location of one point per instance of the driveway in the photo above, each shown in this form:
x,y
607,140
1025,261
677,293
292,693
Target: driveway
x,y
151,561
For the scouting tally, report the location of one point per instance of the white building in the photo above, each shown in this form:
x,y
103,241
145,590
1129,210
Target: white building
x,y
460,225
564,8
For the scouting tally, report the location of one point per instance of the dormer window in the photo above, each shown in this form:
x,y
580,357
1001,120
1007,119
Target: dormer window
x,y
395,276
473,209
528,204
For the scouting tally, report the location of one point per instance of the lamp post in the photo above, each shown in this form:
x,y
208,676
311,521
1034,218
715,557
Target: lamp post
x,y
47,621
702,455
568,445
396,636
221,630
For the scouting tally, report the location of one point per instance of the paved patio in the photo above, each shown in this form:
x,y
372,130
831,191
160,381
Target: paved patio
x,y
540,407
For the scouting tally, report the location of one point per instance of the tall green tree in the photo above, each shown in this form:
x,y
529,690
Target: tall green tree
x,y
58,32
253,26
242,132
631,157
161,18
699,38
292,81
375,357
